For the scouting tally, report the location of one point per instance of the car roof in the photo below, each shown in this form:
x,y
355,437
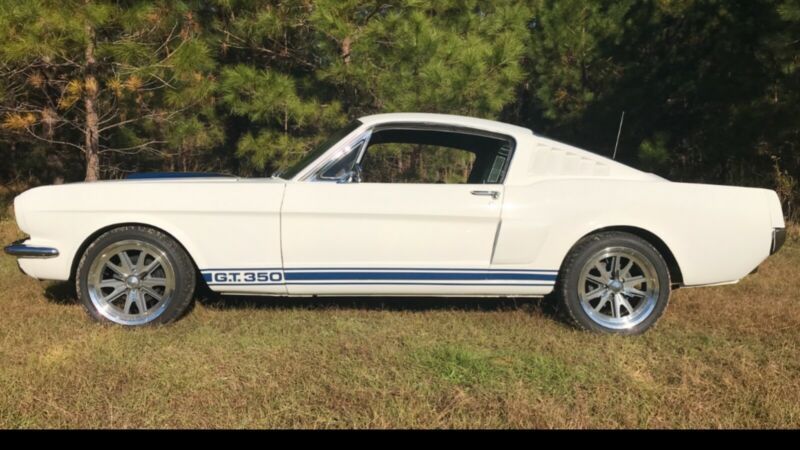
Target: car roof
x,y
446,119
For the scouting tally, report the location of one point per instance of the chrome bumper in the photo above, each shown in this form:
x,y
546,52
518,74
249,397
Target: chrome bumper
x,y
778,239
20,250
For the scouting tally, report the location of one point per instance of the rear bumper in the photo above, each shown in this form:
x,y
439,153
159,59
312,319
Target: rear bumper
x,y
778,239
21,250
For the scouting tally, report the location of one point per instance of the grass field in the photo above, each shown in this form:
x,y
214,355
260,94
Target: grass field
x,y
721,357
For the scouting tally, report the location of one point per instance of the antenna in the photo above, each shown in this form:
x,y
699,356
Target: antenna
x,y
619,132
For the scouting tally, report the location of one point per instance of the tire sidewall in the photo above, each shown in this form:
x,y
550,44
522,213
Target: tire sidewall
x,y
183,268
591,246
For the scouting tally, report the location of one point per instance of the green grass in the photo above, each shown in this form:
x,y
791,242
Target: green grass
x,y
721,357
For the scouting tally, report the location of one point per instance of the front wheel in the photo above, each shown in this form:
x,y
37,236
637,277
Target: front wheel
x,y
614,282
135,275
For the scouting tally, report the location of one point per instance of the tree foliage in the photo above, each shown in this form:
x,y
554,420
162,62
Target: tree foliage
x,y
103,78
709,87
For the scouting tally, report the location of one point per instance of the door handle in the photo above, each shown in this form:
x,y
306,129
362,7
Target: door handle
x,y
493,194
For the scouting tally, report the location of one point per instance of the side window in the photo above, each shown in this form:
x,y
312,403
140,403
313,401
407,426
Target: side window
x,y
416,163
428,155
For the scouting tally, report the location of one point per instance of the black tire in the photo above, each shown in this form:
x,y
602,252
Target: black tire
x,y
182,294
568,284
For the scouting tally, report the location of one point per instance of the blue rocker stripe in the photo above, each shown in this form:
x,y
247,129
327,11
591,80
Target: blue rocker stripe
x,y
369,283
419,283
414,276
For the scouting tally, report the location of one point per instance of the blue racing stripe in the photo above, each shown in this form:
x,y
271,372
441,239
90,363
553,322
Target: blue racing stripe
x,y
415,276
407,269
357,283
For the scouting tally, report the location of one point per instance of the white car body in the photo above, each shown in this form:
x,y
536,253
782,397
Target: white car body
x,y
303,237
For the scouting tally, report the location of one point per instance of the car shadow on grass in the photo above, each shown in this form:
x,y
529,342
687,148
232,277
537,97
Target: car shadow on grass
x,y
546,305
60,293
63,293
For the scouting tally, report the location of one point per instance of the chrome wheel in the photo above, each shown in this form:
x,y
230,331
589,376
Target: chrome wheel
x,y
618,288
131,282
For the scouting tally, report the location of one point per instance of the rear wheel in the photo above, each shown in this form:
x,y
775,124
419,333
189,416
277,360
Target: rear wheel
x,y
135,276
614,282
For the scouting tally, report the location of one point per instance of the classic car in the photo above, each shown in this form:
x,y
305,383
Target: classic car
x,y
518,215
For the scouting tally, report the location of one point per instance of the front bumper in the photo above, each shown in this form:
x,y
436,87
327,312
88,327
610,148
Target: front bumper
x,y
22,250
778,239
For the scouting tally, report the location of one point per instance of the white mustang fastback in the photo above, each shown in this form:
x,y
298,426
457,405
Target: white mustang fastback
x,y
519,215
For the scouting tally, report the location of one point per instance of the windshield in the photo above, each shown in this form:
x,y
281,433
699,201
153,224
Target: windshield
x,y
312,155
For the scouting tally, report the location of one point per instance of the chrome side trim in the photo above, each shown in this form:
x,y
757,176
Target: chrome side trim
x,y
20,250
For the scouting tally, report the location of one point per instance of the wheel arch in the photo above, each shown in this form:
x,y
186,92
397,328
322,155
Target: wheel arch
x,y
93,236
672,263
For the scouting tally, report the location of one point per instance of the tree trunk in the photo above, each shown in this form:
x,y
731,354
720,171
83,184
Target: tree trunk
x,y
346,42
416,162
92,133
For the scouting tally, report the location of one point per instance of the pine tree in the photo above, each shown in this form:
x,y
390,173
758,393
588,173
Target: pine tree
x,y
278,109
569,65
301,67
92,75
458,57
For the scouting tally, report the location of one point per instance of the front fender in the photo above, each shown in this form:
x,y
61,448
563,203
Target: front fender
x,y
220,224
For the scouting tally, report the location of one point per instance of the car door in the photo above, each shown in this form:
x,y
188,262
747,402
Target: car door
x,y
387,237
